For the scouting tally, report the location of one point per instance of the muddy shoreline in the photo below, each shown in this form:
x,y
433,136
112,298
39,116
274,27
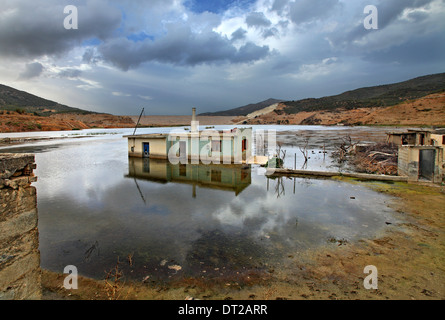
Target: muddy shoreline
x,y
409,255
18,141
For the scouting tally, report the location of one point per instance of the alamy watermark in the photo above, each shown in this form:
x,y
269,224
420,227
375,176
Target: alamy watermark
x,y
70,281
71,21
72,18
231,146
372,19
371,280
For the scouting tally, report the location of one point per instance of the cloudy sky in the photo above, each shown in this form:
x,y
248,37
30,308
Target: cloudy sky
x,y
171,55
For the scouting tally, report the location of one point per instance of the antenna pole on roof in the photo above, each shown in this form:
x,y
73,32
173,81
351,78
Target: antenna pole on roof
x,y
138,121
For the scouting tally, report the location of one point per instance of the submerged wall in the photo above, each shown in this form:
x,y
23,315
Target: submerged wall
x,y
20,275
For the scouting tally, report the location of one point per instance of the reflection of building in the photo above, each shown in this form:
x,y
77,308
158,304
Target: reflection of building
x,y
231,177
228,146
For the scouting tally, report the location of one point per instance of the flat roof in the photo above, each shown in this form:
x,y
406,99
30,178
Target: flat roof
x,y
227,132
151,136
401,133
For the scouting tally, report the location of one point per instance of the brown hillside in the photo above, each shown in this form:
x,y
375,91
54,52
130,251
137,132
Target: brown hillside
x,y
429,110
12,121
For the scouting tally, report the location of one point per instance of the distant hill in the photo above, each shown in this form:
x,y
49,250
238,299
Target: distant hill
x,y
244,110
21,112
378,96
12,100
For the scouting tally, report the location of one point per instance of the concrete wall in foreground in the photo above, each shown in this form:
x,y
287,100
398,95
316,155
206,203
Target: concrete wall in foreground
x,y
20,275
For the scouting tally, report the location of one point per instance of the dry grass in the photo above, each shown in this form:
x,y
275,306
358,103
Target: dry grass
x,y
113,283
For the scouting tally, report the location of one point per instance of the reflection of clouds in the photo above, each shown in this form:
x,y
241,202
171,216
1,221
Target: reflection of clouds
x,y
91,174
259,212
83,171
83,196
322,205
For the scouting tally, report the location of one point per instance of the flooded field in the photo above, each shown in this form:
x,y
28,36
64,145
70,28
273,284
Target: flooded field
x,y
163,222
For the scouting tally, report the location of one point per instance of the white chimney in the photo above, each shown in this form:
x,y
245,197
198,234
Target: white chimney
x,y
195,124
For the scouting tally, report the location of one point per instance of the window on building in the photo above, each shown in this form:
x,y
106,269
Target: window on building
x,y
244,145
183,170
216,146
404,140
244,174
216,176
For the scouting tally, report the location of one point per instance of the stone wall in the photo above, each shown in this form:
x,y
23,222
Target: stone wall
x,y
20,274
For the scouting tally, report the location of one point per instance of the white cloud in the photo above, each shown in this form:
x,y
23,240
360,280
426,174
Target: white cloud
x,y
148,98
89,84
120,94
311,71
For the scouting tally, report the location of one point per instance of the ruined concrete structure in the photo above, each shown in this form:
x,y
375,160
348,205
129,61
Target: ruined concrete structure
x,y
421,154
421,163
417,137
20,275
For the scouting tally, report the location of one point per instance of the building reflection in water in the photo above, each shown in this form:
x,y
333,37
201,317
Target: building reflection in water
x,y
229,177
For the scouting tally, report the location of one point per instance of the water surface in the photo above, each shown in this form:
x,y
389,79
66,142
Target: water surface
x,y
96,207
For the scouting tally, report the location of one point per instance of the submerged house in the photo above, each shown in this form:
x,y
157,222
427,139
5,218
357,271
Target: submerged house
x,y
420,154
224,146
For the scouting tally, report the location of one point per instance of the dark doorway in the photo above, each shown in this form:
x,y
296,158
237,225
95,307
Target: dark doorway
x,y
146,149
244,148
183,151
426,164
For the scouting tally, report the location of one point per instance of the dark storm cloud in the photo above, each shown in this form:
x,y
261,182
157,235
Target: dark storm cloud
x,y
279,5
239,34
272,32
388,14
302,11
426,48
32,70
250,52
71,73
257,19
30,29
391,10
180,46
